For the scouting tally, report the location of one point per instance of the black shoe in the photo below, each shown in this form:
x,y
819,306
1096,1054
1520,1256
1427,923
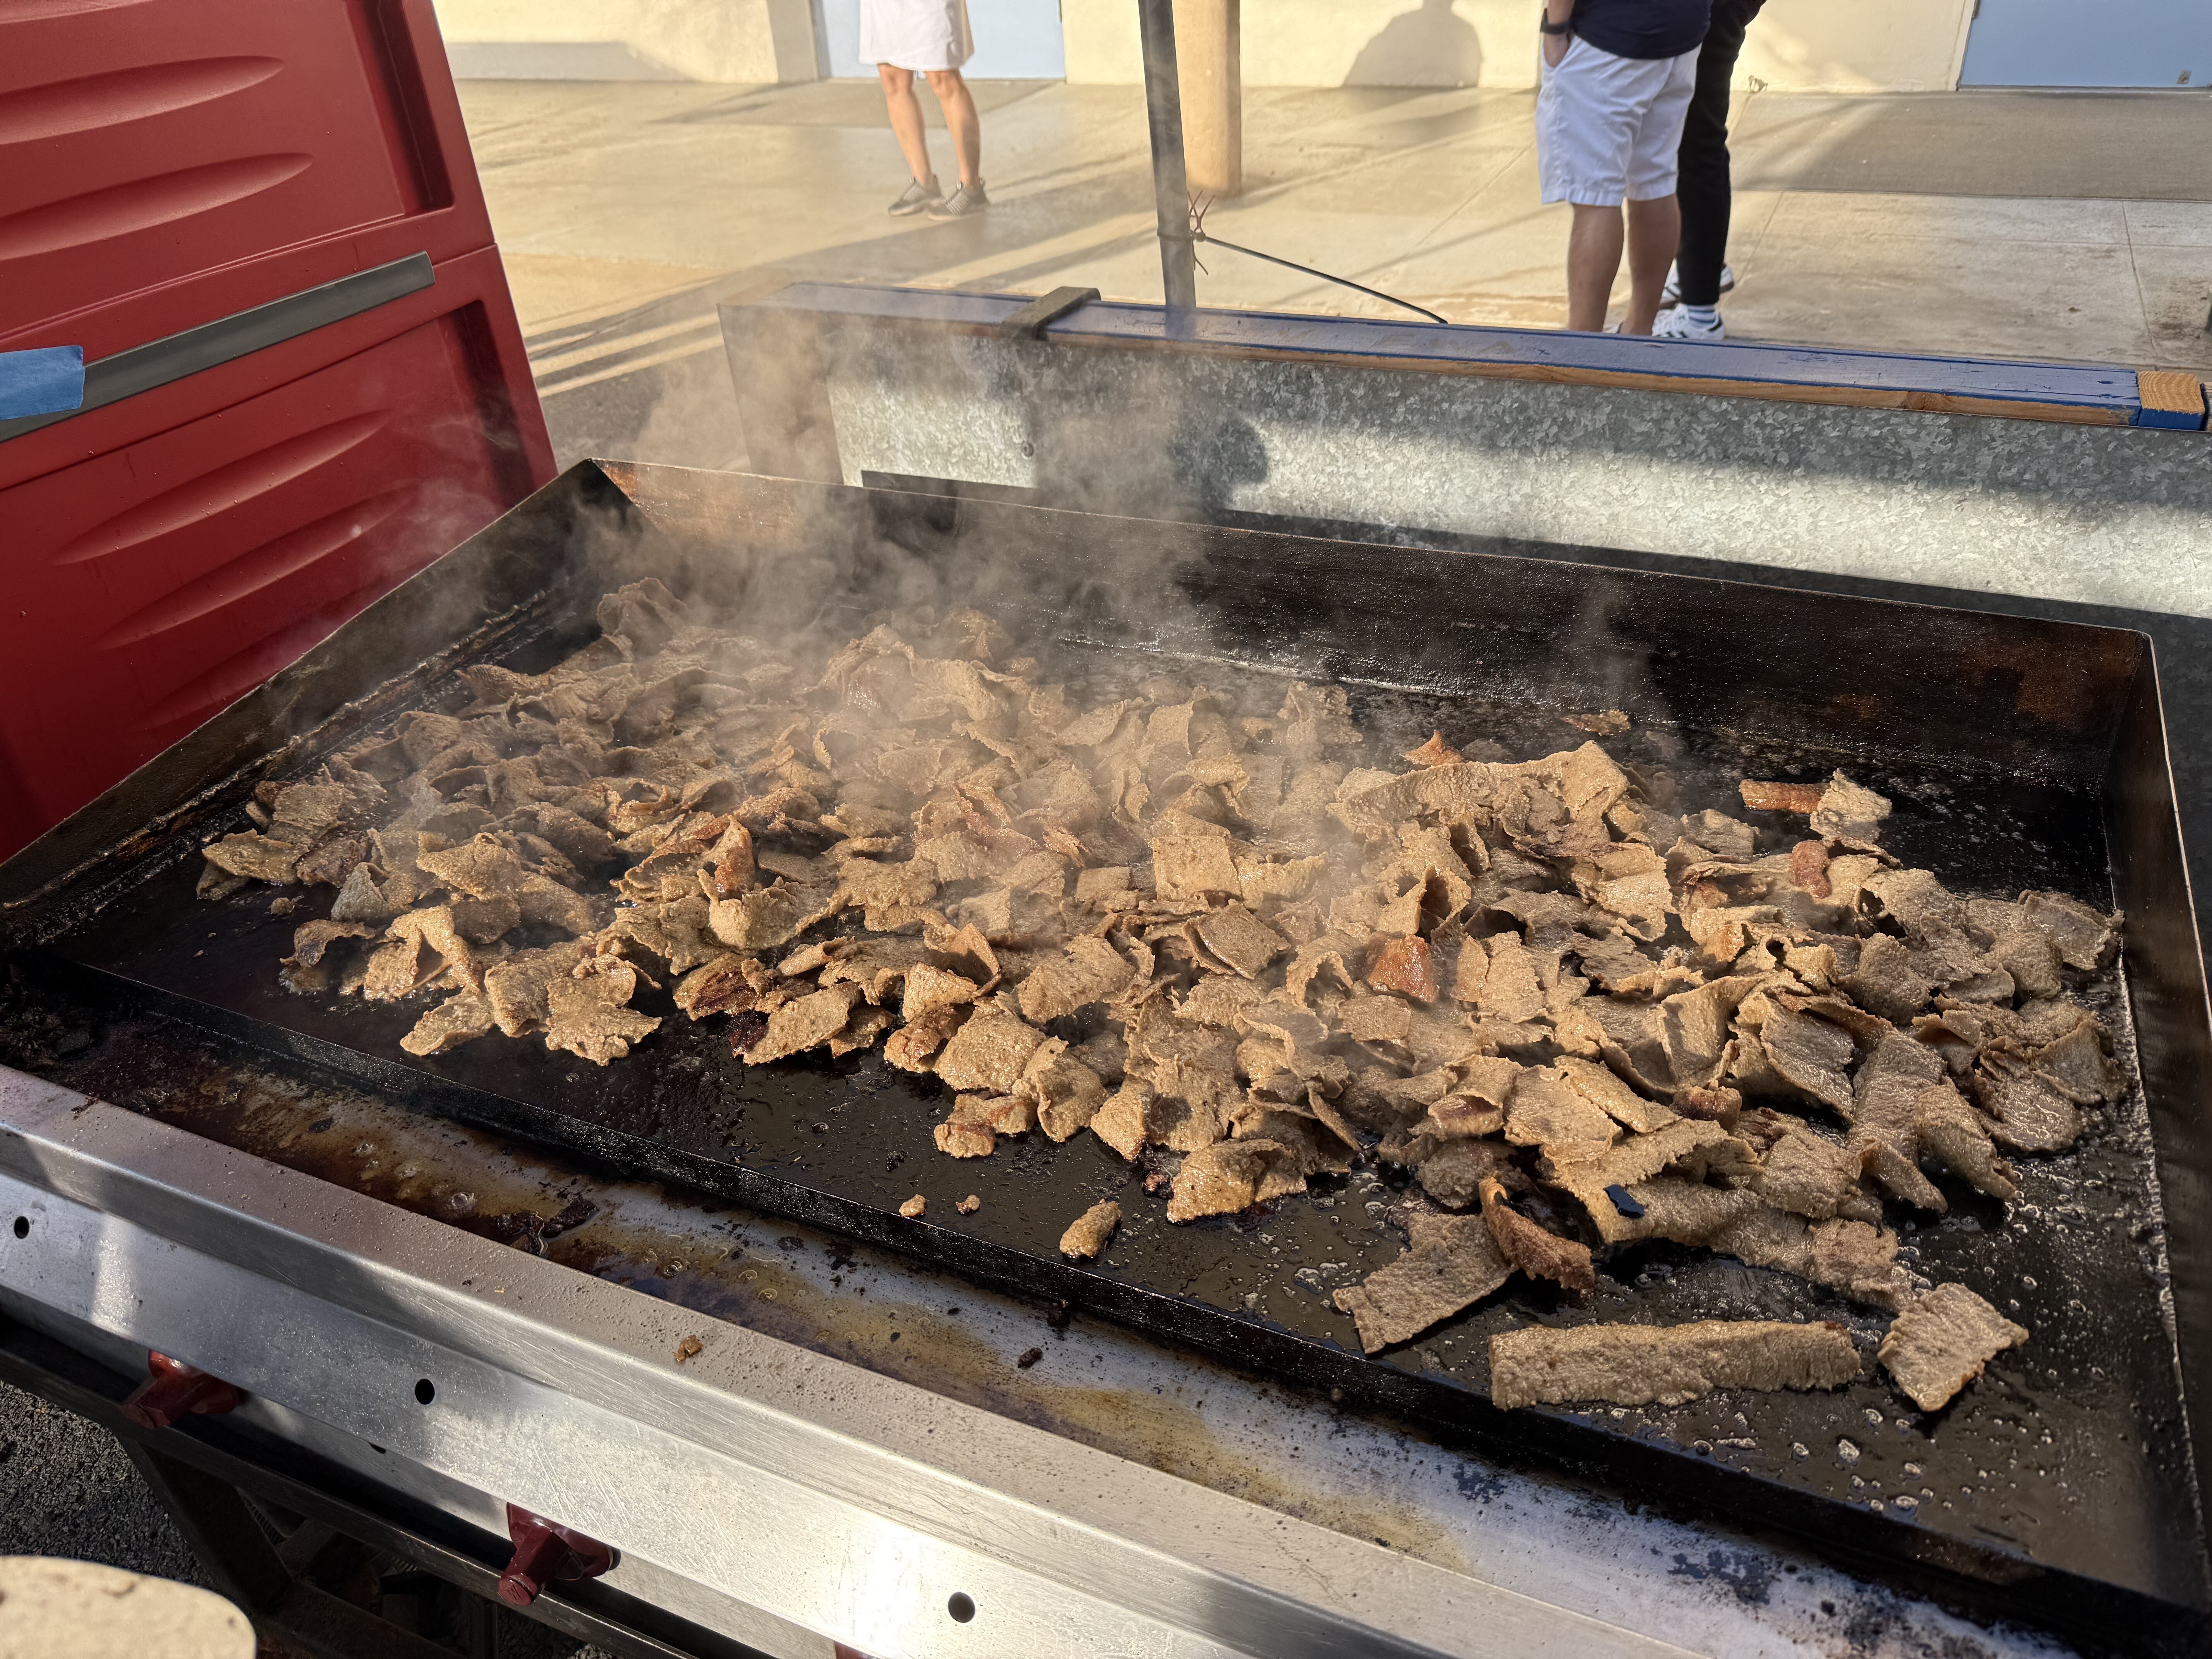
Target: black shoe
x,y
918,194
965,202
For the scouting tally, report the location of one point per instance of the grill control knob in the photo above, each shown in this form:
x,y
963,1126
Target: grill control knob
x,y
547,1553
174,1389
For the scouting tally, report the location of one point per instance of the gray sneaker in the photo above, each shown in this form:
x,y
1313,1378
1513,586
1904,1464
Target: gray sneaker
x,y
918,194
965,202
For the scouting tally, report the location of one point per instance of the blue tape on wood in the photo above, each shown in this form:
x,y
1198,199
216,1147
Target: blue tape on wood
x,y
47,381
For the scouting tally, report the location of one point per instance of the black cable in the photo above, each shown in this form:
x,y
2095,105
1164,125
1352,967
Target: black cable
x,y
1202,235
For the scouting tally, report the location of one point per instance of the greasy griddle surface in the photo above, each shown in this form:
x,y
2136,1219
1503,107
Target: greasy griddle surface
x,y
2069,1452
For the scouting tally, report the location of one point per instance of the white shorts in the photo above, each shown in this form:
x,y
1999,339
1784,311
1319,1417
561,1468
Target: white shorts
x,y
915,34
1609,128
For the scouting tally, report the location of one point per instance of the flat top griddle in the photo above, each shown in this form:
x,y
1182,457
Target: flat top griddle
x,y
2060,1486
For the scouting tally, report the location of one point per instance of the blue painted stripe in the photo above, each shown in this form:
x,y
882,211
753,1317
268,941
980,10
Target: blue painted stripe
x,y
49,381
1523,353
2177,420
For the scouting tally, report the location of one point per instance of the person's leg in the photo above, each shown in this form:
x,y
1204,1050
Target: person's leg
x,y
1655,227
1592,261
1582,138
906,119
960,121
1703,182
1655,217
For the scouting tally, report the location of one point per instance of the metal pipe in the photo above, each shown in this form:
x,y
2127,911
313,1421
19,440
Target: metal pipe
x,y
1170,191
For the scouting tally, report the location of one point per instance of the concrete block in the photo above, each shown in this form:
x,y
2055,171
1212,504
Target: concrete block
x,y
2103,515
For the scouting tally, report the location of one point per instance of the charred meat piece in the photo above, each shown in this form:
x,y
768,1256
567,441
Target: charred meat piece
x,y
1529,1247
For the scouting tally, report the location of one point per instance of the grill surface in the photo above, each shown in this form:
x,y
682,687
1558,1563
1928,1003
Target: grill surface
x,y
2019,752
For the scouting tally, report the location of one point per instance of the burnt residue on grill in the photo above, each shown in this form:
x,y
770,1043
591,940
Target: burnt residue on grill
x,y
2064,1475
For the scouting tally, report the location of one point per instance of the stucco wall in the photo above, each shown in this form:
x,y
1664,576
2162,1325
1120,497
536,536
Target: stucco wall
x,y
1796,46
742,41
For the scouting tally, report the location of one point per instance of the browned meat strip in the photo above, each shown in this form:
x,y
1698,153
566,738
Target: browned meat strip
x,y
256,857
1780,797
452,1022
1089,971
1666,1365
1087,1234
1808,867
1231,1176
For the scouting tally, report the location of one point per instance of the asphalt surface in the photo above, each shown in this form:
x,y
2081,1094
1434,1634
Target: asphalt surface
x,y
66,1488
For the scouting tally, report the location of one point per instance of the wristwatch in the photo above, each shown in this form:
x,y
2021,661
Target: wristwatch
x,y
1546,25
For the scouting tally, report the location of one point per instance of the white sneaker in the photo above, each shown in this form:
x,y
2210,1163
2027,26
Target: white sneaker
x,y
1674,323
1672,294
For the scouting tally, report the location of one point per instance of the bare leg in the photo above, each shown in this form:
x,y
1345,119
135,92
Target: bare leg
x,y
1654,230
961,120
1592,261
906,119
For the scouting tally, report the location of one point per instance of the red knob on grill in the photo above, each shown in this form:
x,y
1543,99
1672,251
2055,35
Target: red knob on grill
x,y
174,1389
547,1553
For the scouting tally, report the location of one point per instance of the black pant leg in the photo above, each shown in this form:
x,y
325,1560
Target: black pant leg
x,y
1703,183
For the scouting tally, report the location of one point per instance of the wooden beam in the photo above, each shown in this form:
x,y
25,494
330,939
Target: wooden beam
x,y
2170,397
1208,52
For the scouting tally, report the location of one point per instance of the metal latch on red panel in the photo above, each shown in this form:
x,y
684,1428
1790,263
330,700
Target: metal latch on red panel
x,y
547,1553
174,1389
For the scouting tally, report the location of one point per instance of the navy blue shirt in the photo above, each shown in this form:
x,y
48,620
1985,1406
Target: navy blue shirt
x,y
1642,28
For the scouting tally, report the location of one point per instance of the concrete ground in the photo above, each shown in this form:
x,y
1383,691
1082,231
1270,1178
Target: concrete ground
x,y
2032,224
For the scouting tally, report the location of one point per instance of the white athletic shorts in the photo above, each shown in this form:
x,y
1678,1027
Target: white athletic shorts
x,y
1609,128
917,35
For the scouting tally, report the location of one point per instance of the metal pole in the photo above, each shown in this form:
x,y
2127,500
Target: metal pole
x,y
1170,192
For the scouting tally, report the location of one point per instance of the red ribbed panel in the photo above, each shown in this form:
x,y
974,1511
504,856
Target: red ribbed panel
x,y
166,164
173,576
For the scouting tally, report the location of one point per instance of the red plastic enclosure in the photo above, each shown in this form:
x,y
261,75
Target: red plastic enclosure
x,y
166,164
